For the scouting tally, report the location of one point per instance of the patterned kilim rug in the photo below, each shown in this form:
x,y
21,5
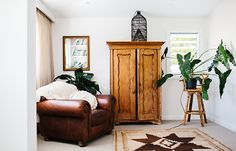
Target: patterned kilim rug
x,y
166,140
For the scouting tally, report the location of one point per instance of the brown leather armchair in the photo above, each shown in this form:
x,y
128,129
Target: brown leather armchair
x,y
74,120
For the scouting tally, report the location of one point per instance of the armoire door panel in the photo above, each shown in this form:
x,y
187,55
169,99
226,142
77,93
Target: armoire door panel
x,y
125,84
148,74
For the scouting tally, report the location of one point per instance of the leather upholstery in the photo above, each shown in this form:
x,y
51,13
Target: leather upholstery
x,y
104,103
73,119
99,116
64,108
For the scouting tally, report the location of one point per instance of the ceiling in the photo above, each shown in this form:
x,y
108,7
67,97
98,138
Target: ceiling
x,y
127,8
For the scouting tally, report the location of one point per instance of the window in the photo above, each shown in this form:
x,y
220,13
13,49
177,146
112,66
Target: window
x,y
181,43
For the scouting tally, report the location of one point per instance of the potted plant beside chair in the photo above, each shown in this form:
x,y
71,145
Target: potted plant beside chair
x,y
82,80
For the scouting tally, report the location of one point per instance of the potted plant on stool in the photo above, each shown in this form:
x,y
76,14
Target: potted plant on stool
x,y
189,69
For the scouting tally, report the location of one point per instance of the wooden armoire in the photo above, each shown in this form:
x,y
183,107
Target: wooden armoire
x,y
134,69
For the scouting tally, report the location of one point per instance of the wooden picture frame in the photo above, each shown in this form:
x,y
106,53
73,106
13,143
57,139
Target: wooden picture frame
x,y
76,53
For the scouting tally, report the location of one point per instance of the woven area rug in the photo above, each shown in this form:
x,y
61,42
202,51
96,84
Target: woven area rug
x,y
166,140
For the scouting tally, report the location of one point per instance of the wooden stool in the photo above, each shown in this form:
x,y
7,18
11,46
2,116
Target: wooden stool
x,y
188,110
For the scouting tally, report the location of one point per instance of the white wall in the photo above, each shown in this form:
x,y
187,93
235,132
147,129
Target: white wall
x,y
17,88
222,25
101,30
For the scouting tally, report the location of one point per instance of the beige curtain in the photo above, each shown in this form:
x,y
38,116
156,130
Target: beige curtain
x,y
44,52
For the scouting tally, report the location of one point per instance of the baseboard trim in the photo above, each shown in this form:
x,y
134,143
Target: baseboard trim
x,y
225,124
177,117
209,117
172,117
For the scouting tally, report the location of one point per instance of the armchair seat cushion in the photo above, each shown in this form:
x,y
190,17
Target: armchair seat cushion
x,y
99,117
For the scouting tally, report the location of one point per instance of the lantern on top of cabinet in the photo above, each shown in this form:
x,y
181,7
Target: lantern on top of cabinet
x,y
139,27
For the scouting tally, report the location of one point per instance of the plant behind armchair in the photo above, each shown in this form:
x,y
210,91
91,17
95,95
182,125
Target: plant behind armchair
x,y
188,68
81,80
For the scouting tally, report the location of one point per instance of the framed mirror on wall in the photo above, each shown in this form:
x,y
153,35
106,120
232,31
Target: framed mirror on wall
x,y
76,53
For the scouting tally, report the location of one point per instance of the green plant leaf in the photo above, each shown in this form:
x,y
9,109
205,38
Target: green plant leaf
x,y
82,81
222,77
231,57
164,54
96,86
90,89
64,77
194,62
79,73
88,76
161,81
71,82
180,59
186,70
223,56
187,56
205,86
184,66
213,65
199,79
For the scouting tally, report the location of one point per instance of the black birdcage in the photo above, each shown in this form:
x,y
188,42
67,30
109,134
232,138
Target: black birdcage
x,y
139,28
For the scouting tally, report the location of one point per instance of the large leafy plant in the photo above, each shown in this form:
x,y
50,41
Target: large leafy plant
x,y
189,68
82,80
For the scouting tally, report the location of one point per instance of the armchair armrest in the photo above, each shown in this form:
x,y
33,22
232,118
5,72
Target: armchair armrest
x,y
105,102
71,108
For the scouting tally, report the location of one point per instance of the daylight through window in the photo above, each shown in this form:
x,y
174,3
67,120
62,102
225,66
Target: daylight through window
x,y
182,43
